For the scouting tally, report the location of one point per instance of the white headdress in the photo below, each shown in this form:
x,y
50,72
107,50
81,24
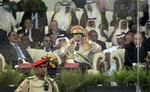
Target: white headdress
x,y
61,36
123,30
94,13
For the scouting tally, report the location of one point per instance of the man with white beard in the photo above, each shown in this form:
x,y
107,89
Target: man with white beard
x,y
94,19
65,14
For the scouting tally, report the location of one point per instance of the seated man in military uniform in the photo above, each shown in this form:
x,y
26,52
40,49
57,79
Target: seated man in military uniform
x,y
39,82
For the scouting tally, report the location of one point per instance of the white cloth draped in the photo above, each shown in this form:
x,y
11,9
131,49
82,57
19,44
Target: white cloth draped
x,y
7,20
63,19
119,30
95,14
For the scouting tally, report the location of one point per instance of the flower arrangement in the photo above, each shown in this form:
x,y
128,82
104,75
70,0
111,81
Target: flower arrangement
x,y
147,59
52,60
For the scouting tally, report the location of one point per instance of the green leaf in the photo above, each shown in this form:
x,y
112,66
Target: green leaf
x,y
83,57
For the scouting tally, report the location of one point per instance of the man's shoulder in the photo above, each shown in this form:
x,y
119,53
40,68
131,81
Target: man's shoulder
x,y
8,46
51,79
100,42
31,77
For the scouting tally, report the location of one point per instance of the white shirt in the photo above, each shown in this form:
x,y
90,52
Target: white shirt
x,y
30,35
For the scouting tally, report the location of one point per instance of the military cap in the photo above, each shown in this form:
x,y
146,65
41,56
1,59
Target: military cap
x,y
77,29
38,62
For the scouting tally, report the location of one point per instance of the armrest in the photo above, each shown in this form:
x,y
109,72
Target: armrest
x,y
108,44
31,52
117,57
97,57
39,53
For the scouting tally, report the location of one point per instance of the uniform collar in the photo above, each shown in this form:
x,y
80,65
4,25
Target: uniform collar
x,y
36,78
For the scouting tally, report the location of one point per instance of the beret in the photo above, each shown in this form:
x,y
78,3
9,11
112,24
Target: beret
x,y
38,62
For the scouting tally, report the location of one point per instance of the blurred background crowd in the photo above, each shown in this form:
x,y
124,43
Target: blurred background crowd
x,y
69,26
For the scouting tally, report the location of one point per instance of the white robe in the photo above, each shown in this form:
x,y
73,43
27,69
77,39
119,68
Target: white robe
x,y
119,30
7,20
95,14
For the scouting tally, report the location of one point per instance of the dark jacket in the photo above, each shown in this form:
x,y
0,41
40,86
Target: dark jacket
x,y
42,18
3,37
10,54
131,54
37,36
102,44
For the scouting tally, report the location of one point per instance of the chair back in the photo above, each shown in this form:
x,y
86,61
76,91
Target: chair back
x,y
2,62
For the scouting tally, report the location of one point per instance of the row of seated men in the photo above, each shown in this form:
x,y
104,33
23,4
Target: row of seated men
x,y
15,49
122,8
38,37
81,42
92,18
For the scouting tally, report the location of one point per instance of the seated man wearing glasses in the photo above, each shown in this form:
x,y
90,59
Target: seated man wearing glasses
x,y
80,47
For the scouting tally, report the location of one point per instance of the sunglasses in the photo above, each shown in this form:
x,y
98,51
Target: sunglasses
x,y
77,34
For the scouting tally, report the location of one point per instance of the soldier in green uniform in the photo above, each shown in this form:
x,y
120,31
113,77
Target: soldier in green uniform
x,y
39,82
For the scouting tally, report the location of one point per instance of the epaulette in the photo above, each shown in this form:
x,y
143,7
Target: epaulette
x,y
52,80
30,78
52,83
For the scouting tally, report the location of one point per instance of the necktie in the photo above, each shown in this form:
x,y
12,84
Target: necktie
x,y
35,20
18,51
27,32
34,23
77,47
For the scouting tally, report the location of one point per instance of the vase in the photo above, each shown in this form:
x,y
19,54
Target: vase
x,y
7,89
52,71
148,65
111,89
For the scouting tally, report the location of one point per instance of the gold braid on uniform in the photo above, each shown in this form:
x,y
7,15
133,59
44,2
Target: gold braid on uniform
x,y
86,46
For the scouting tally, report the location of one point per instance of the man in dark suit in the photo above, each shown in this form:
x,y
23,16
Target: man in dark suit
x,y
3,37
37,13
34,35
131,51
13,52
147,37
